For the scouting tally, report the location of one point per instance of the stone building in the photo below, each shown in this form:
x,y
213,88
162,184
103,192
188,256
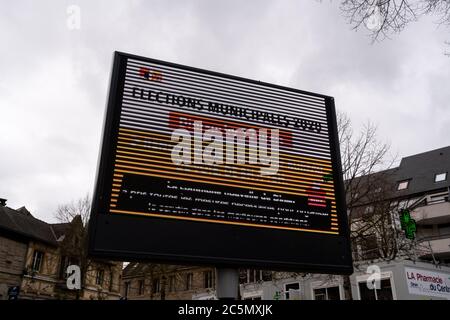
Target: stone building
x,y
13,254
143,281
420,185
34,256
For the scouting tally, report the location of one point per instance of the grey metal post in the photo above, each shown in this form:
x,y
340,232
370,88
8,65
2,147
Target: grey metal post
x,y
227,283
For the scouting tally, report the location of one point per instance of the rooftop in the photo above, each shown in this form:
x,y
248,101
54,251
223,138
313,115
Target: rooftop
x,y
416,175
21,222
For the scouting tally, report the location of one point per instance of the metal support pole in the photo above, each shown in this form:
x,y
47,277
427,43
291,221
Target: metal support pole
x,y
227,283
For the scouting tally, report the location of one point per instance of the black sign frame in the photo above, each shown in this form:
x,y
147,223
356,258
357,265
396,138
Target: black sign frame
x,y
138,238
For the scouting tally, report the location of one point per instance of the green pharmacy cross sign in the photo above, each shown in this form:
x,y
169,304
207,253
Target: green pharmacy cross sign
x,y
408,224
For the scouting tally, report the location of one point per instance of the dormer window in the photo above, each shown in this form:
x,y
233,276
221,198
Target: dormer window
x,y
403,185
438,177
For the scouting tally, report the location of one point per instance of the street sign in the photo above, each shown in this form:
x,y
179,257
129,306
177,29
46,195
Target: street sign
x,y
205,168
408,224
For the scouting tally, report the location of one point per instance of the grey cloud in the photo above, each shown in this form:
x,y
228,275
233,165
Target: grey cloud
x,y
53,84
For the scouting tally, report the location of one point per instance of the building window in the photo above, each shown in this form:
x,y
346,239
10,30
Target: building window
x,y
252,275
189,281
63,267
330,293
36,263
141,287
253,298
127,288
258,275
111,281
382,293
290,290
208,279
156,286
402,185
172,284
438,177
99,277
66,262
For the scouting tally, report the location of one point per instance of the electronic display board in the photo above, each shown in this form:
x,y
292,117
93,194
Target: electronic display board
x,y
205,168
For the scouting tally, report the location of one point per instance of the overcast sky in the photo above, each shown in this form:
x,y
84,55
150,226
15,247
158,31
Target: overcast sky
x,y
54,80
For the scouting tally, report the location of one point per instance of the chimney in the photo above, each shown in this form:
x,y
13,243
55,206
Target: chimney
x,y
2,202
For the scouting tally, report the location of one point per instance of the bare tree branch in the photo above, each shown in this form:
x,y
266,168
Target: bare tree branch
x,y
392,16
81,207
